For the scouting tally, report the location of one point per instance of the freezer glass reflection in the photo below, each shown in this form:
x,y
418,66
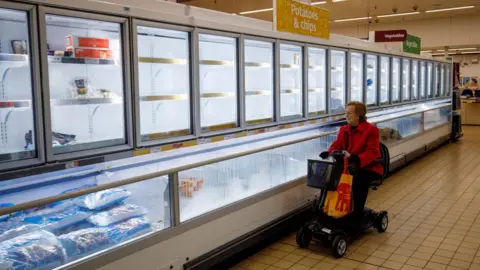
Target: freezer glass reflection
x,y
436,74
356,76
218,82
414,82
258,82
337,81
317,81
430,80
406,79
437,117
17,126
210,187
384,79
422,80
164,82
86,83
372,81
398,129
448,81
69,230
291,81
395,79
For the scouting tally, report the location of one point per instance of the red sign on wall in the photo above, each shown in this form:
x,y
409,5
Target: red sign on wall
x,y
390,36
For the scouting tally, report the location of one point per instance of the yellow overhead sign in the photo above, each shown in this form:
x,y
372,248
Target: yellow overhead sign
x,y
299,18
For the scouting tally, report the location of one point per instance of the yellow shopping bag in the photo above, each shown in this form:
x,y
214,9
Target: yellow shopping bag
x,y
339,203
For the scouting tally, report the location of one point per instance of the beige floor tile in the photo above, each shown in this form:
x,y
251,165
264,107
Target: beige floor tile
x,y
293,258
398,258
435,266
375,261
453,268
308,262
257,266
410,267
381,254
274,253
317,256
299,267
387,248
440,259
444,253
460,264
264,259
474,266
283,247
426,249
273,268
464,257
302,252
416,262
324,266
448,247
404,252
365,266
357,257
283,264
392,265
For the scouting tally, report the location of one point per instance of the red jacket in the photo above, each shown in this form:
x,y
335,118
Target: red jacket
x,y
363,141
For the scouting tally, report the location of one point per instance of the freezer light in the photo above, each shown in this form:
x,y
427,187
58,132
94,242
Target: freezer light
x,y
462,49
398,14
255,11
353,19
336,1
448,9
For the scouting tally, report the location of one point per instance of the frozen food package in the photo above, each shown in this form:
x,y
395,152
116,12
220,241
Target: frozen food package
x,y
33,256
128,229
74,227
59,220
17,231
103,199
84,242
116,214
48,209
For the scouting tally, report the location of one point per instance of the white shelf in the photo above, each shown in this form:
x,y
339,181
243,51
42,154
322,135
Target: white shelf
x,y
81,61
8,104
86,101
13,57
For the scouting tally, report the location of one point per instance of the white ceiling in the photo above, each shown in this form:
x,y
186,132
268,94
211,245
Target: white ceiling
x,y
351,9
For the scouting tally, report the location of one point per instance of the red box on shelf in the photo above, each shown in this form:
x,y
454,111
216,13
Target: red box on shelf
x,y
92,53
86,42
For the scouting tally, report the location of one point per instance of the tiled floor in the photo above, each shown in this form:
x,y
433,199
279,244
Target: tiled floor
x,y
434,207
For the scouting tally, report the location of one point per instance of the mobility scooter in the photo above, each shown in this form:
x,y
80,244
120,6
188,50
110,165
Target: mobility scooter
x,y
335,233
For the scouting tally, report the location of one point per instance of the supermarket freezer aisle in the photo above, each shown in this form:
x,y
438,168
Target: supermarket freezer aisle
x,y
434,220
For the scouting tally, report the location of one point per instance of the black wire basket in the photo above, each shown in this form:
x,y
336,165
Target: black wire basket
x,y
324,174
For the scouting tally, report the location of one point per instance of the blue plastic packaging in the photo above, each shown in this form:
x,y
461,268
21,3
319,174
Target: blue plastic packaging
x,y
103,199
84,242
116,214
6,217
36,250
59,220
129,229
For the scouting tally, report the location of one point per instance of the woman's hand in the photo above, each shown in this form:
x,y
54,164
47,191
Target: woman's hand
x,y
346,154
324,154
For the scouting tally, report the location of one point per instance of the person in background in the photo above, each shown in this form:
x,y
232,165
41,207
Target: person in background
x,y
360,142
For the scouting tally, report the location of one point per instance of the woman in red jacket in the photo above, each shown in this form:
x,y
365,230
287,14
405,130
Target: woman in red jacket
x,y
360,142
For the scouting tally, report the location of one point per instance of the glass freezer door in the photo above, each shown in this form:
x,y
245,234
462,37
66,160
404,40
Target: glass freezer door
x,y
395,80
414,80
218,82
356,76
448,81
317,77
18,136
337,81
384,79
430,80
163,83
291,81
86,89
259,81
372,80
406,79
436,80
442,80
422,80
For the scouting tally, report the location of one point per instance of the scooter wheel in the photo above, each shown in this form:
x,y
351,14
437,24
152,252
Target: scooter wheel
x,y
339,246
304,237
381,222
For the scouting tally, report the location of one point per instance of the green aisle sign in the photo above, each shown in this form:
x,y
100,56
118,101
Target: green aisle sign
x,y
412,44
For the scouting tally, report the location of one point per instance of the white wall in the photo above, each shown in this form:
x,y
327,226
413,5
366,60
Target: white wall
x,y
447,31
467,68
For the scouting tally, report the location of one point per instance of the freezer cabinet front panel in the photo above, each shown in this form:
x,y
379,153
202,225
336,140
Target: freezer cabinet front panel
x,y
87,94
18,132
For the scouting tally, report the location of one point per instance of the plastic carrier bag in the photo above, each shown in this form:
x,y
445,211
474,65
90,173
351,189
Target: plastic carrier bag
x,y
59,220
103,199
117,214
338,203
36,250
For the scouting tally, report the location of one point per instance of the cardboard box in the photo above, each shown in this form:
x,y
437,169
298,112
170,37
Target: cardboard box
x,y
86,42
92,53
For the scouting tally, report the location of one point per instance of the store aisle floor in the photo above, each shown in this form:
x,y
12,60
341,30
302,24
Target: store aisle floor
x,y
434,207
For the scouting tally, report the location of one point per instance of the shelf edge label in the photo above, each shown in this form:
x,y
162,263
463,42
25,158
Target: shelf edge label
x,y
299,18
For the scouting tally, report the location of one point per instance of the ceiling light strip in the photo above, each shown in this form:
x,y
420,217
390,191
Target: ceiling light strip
x,y
398,14
318,3
353,19
462,49
470,52
255,11
448,9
